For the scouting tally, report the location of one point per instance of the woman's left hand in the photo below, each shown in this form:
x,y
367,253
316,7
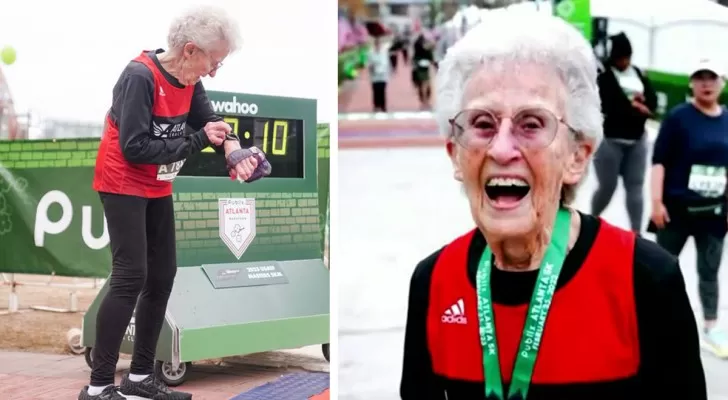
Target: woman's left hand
x,y
244,170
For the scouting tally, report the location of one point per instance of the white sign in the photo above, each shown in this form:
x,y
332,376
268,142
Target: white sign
x,y
234,107
130,333
237,224
44,225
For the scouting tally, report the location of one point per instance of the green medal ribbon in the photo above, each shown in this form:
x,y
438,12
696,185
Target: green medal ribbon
x,y
538,309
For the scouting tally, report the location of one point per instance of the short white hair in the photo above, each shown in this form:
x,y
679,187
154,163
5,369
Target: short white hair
x,y
523,38
207,27
504,36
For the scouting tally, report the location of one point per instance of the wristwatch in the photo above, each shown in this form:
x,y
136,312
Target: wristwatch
x,y
230,136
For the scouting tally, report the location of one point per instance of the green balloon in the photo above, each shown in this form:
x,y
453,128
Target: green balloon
x,y
350,71
363,57
8,55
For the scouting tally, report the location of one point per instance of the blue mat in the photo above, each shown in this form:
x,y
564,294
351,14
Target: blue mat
x,y
298,386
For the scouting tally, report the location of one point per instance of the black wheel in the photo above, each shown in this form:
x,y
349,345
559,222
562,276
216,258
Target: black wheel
x,y
325,349
170,376
89,358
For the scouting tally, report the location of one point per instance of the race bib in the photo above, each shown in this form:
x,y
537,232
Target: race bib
x,y
168,172
708,181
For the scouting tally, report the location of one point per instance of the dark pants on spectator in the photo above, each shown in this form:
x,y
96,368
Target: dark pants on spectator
x,y
144,264
393,60
710,251
612,160
379,90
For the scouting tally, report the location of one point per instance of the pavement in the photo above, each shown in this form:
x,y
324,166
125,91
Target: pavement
x,y
401,204
33,376
401,94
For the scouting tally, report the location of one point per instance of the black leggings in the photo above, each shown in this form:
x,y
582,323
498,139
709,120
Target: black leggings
x,y
709,249
142,235
379,91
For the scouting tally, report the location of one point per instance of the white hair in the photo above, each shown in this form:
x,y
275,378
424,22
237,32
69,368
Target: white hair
x,y
207,27
510,37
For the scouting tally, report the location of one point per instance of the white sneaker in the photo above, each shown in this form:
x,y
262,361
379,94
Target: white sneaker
x,y
716,341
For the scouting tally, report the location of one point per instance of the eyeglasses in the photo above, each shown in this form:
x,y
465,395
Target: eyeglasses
x,y
533,128
214,66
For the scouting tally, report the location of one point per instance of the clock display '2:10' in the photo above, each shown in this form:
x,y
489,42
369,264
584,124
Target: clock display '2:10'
x,y
280,139
271,135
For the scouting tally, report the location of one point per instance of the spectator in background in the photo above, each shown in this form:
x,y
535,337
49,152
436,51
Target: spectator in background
x,y
406,43
628,100
359,30
689,188
422,59
395,48
346,35
442,43
379,74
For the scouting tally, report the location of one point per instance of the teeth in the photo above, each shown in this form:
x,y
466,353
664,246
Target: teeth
x,y
506,182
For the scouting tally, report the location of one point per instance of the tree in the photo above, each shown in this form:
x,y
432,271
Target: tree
x,y
354,7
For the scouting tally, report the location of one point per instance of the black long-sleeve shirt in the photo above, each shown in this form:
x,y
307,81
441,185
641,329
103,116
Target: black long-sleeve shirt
x,y
153,126
643,344
621,119
132,110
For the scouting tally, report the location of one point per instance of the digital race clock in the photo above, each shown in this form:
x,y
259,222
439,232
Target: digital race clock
x,y
275,125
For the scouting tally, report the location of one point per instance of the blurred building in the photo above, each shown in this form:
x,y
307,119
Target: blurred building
x,y
16,124
10,127
400,14
429,12
59,129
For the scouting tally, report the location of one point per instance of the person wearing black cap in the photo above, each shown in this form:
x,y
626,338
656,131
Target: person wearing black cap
x,y
628,100
689,167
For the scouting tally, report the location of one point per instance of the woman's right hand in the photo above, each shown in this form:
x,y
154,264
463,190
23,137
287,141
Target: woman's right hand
x,y
641,108
659,214
216,132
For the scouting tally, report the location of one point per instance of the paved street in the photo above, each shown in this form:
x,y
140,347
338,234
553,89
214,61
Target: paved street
x,y
388,196
33,376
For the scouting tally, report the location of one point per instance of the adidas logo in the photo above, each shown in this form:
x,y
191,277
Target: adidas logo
x,y
455,314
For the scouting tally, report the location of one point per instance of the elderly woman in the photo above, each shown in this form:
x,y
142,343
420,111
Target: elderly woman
x,y
539,301
145,143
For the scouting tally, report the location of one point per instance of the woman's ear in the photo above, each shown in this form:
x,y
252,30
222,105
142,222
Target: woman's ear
x,y
452,151
578,161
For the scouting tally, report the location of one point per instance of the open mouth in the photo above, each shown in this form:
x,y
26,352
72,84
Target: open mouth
x,y
506,191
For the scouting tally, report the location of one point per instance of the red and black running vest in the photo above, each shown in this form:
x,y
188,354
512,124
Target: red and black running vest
x,y
591,333
113,173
